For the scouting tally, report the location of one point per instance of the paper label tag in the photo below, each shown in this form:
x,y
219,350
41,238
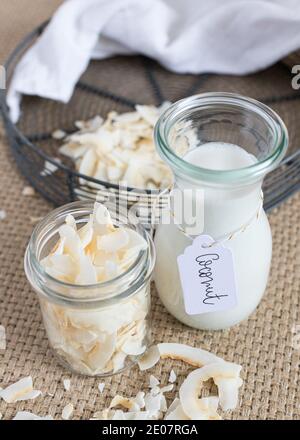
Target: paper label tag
x,y
207,277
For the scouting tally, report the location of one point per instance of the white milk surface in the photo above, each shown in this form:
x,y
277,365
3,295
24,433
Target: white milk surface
x,y
225,210
220,156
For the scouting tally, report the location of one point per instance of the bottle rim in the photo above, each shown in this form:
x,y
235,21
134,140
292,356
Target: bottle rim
x,y
252,172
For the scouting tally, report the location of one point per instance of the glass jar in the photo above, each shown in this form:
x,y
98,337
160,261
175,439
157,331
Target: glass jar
x,y
231,197
96,329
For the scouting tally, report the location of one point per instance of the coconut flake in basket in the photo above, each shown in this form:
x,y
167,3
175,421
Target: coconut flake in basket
x,y
119,149
96,340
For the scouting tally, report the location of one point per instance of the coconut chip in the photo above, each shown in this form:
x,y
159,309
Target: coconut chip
x,y
150,406
196,357
67,411
34,219
140,399
59,134
2,338
189,390
67,384
228,389
149,359
172,377
101,386
127,403
28,191
119,149
177,413
26,415
101,415
20,390
153,403
139,415
173,406
118,414
153,381
49,167
90,124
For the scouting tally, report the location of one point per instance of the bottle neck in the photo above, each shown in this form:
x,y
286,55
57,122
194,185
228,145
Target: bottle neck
x,y
222,209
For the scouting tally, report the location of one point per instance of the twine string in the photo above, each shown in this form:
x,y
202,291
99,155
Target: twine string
x,y
226,237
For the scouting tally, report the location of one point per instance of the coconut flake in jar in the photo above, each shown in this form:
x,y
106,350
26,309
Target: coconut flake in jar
x,y
97,320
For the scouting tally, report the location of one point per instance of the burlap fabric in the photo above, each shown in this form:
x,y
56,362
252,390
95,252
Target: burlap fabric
x,y
266,345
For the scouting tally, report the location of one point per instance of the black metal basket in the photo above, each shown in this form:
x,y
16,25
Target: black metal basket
x,y
118,84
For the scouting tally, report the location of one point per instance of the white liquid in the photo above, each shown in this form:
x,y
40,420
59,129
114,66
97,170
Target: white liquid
x,y
225,210
220,156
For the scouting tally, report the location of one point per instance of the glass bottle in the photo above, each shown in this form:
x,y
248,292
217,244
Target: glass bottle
x,y
208,129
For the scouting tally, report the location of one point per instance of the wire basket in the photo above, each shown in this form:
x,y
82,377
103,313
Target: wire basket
x,y
118,84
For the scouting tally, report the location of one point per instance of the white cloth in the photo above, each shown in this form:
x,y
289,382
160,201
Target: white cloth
x,y
186,36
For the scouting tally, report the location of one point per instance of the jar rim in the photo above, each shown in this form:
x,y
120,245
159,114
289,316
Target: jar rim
x,y
38,277
239,175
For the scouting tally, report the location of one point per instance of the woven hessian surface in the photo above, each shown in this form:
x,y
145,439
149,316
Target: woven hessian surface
x,y
265,345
